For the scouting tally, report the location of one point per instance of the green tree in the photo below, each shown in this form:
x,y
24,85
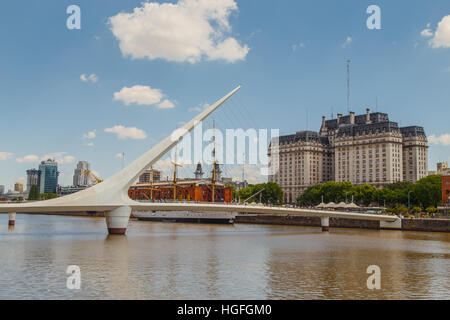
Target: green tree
x,y
272,193
34,193
424,193
245,193
400,209
47,196
330,191
365,194
428,191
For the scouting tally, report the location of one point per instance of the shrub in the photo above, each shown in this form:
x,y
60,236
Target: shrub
x,y
431,209
416,209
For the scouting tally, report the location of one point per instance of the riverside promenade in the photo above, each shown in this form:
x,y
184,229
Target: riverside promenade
x,y
415,224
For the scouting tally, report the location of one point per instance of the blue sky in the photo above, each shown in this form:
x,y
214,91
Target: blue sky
x,y
289,55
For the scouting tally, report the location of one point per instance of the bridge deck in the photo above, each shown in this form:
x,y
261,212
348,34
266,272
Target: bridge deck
x,y
36,207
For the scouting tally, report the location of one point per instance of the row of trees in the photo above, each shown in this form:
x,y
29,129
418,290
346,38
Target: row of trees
x,y
424,193
271,193
402,209
35,195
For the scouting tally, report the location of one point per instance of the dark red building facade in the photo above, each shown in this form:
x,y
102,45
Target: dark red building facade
x,y
446,190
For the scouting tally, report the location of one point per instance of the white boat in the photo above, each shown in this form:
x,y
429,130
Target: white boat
x,y
187,216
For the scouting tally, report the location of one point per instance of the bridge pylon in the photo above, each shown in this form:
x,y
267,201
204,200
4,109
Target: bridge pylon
x,y
325,223
117,220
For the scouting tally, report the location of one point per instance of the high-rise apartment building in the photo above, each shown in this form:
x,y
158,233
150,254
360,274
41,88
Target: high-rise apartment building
x,y
443,169
18,187
80,177
2,189
49,176
362,149
33,177
415,153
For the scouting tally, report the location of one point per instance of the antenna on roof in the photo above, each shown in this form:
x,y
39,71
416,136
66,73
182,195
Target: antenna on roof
x,y
348,86
307,119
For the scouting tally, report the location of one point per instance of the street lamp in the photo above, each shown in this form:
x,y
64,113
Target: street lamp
x,y
409,201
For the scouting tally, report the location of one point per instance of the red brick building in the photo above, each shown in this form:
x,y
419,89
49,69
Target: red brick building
x,y
189,190
446,190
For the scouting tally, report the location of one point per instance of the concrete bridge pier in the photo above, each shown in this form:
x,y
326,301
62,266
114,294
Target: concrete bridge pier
x,y
325,223
117,220
12,219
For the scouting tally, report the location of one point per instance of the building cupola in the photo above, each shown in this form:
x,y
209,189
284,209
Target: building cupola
x,y
367,115
352,117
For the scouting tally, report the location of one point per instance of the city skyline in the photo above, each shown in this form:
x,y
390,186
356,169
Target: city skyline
x,y
79,82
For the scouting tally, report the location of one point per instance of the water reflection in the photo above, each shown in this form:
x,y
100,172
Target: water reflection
x,y
191,261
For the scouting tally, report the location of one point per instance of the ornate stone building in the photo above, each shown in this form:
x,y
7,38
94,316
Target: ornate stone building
x,y
362,149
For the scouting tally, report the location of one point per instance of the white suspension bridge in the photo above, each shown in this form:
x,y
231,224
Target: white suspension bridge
x,y
111,196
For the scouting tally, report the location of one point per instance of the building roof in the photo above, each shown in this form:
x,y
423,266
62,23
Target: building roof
x,y
304,136
379,122
375,117
412,131
369,128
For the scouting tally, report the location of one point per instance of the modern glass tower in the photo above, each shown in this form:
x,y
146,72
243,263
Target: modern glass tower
x,y
49,176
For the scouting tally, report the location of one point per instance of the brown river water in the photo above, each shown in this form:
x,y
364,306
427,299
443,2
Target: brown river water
x,y
197,261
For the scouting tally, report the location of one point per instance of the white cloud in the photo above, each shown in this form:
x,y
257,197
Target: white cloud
x,y
443,139
6,155
199,108
347,42
297,45
166,104
89,78
28,159
195,109
143,95
229,50
190,30
441,37
90,144
60,157
426,33
127,132
90,135
164,165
